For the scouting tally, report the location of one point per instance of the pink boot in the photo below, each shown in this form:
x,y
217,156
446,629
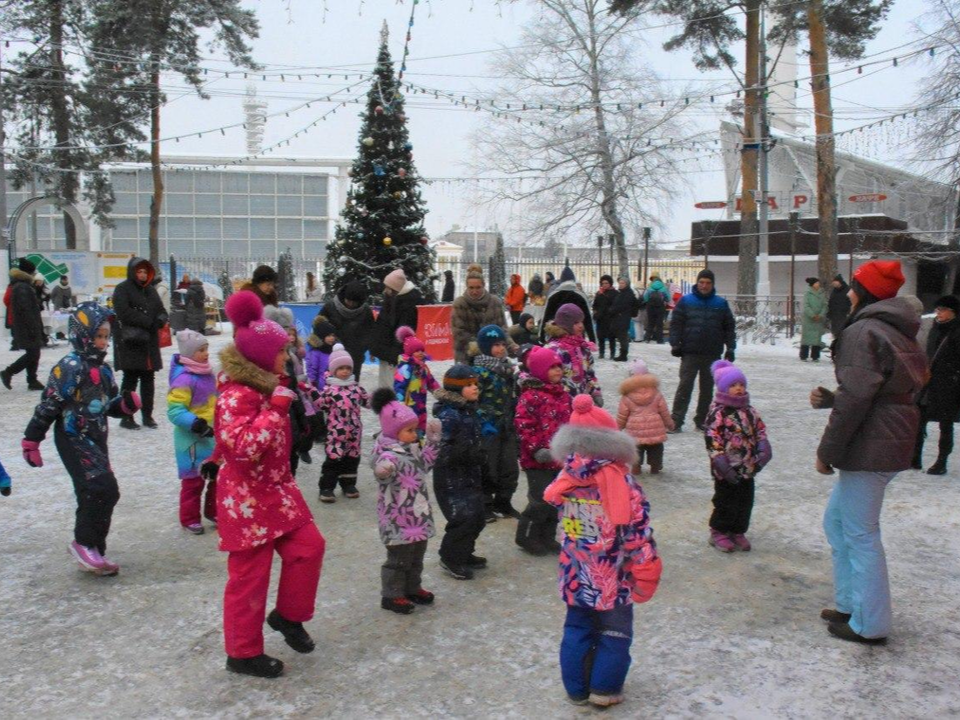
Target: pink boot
x,y
740,540
89,558
721,541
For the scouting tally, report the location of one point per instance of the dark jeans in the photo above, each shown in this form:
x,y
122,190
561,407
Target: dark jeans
x,y
812,350
538,521
29,361
610,340
653,455
341,470
401,574
515,316
465,521
654,327
503,472
145,378
690,367
96,497
732,505
595,651
944,446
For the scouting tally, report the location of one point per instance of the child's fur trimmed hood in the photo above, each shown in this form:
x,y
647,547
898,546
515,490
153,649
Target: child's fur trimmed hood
x,y
452,398
593,443
554,331
638,382
236,367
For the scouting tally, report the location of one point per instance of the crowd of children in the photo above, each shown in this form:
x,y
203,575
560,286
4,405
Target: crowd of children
x,y
240,435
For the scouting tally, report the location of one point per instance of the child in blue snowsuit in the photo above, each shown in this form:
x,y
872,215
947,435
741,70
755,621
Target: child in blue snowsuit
x,y
80,393
4,481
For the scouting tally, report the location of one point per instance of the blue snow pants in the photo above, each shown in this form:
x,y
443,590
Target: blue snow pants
x,y
595,651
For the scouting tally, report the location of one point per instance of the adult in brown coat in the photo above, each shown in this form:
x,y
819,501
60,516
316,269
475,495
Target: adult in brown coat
x,y
869,438
473,310
264,285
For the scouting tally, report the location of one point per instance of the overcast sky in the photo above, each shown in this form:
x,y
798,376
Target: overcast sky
x,y
450,50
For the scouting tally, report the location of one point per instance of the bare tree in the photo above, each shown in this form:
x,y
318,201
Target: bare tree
x,y
600,157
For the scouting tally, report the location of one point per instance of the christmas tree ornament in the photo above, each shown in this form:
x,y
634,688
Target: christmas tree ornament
x,y
388,241
402,172
424,241
350,172
408,147
379,171
378,109
368,141
397,195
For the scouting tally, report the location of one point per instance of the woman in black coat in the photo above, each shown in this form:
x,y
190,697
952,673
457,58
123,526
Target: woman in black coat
x,y
622,311
196,304
352,317
140,315
940,399
838,305
449,289
400,300
602,302
26,326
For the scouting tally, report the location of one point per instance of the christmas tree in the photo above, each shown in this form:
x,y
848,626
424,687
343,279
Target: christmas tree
x,y
286,289
382,224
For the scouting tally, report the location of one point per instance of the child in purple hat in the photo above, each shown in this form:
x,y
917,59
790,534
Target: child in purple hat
x,y
739,449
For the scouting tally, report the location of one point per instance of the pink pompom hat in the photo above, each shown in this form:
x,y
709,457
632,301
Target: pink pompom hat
x,y
257,339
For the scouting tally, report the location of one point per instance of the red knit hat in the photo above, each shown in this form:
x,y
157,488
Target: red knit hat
x,y
881,278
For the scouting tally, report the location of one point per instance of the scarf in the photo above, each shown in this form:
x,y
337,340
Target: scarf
x,y
501,366
735,401
348,313
337,382
195,367
606,475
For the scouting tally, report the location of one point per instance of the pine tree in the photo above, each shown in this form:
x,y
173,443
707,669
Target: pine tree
x,y
226,285
286,289
382,223
498,270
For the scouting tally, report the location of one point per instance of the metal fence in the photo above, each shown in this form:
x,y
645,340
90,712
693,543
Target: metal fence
x,y
682,272
765,319
240,270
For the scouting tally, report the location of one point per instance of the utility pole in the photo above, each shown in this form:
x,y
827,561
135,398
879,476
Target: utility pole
x,y
749,228
646,255
794,220
4,235
763,280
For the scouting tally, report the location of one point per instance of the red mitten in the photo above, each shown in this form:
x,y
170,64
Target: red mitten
x,y
31,453
130,402
646,578
282,398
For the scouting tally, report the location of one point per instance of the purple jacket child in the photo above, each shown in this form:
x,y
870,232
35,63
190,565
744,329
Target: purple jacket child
x,y
319,346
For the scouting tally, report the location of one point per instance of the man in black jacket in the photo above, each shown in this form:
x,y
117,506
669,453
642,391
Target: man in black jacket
x,y
27,325
838,305
622,311
701,324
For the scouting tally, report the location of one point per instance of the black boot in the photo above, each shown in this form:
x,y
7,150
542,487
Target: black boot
x,y
528,537
260,666
939,467
292,632
129,423
5,379
917,462
35,385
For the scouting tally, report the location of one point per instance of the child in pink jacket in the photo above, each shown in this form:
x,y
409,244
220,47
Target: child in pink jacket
x,y
643,413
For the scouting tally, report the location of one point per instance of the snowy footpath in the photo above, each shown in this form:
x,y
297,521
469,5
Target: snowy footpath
x,y
726,636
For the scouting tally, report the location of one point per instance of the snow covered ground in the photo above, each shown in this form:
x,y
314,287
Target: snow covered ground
x,y
728,636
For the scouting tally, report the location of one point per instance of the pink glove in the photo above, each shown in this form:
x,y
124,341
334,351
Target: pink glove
x,y
434,430
282,398
384,469
130,402
31,453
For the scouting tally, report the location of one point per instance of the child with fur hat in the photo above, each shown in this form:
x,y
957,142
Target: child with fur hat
x,y
609,558
261,509
644,414
542,408
457,475
191,402
79,396
401,464
340,401
576,352
413,379
496,377
739,449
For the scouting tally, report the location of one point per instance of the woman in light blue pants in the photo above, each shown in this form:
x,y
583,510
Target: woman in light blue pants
x,y
880,368
852,525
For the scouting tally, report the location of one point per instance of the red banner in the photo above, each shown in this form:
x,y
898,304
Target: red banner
x,y
433,328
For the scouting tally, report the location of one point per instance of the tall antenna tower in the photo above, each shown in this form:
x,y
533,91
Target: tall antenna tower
x,y
256,114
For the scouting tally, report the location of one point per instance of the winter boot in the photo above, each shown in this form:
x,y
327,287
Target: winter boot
x,y
603,700
128,423
293,632
835,616
476,562
400,605
845,632
261,665
721,541
110,568
35,385
940,466
327,496
194,528
351,492
917,462
740,540
421,597
527,537
5,379
88,558
460,572
149,422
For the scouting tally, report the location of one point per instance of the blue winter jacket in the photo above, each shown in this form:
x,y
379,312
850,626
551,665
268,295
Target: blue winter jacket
x,y
702,325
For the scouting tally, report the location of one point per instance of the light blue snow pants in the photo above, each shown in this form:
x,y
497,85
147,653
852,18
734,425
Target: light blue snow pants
x,y
852,525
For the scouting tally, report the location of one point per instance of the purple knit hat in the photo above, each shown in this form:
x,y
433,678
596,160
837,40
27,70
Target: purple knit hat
x,y
257,339
339,358
567,316
726,374
394,415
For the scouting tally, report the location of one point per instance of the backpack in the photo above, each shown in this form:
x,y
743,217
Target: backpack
x,y
656,300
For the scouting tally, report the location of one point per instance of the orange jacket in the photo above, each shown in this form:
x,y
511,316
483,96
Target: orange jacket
x,y
516,296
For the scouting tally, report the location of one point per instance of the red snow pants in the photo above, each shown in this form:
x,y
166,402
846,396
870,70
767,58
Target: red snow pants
x,y
245,597
191,494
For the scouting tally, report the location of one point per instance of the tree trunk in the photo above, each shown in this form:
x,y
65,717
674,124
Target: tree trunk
x,y
608,206
749,223
950,280
826,151
157,200
68,181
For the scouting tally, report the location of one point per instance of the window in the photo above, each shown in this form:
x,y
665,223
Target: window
x,y
236,205
263,205
263,183
208,182
315,206
314,249
180,247
236,228
208,228
289,184
289,205
289,229
207,204
315,185
315,229
179,228
263,228
178,181
209,248
125,228
174,204
126,204
125,245
263,248
123,182
236,183
235,248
